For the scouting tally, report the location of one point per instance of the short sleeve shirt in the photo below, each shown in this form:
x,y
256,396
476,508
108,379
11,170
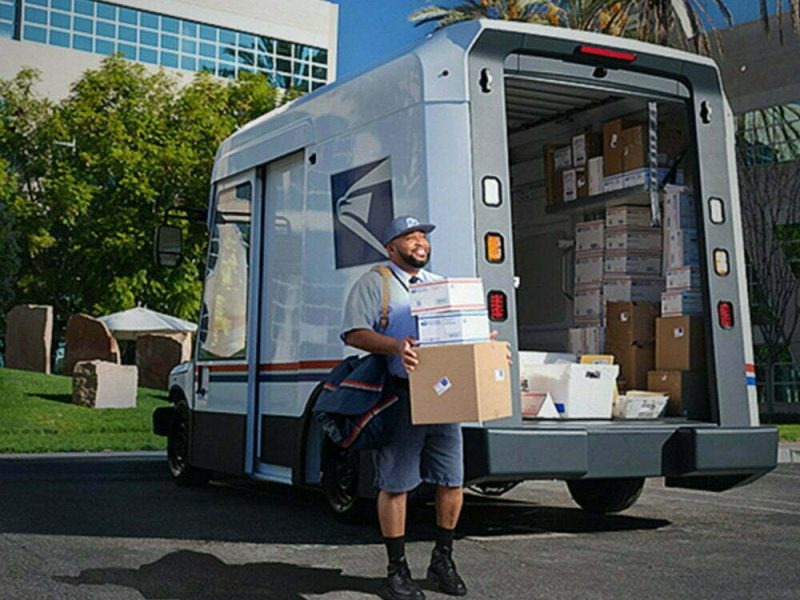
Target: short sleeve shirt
x,y
363,308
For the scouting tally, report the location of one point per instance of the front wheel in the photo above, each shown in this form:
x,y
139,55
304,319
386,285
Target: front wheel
x,y
340,478
606,495
183,473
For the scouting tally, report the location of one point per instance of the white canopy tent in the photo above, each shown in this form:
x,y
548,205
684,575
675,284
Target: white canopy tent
x,y
126,325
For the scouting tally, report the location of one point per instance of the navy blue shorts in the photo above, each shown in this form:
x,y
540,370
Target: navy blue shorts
x,y
416,453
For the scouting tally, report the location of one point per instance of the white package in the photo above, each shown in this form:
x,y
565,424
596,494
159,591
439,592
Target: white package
x,y
634,238
682,279
678,304
633,289
587,340
641,177
588,302
453,328
680,211
589,268
621,262
641,405
447,295
684,250
637,216
612,183
590,235
570,190
595,169
578,391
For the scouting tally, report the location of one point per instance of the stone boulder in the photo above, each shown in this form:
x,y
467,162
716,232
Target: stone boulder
x,y
101,384
88,339
29,336
158,353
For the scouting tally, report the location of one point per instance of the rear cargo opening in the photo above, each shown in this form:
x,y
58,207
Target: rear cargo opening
x,y
606,244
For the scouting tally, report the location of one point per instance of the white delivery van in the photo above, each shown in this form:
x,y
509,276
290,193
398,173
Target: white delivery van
x,y
457,132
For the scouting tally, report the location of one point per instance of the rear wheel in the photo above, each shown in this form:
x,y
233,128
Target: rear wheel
x,y
340,482
606,495
182,472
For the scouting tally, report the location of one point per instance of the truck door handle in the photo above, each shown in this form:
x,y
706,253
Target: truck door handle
x,y
569,249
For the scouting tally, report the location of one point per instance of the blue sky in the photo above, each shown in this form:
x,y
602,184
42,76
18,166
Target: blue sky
x,y
371,30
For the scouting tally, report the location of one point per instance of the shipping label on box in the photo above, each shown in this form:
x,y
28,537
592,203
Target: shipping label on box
x,y
622,262
461,383
584,147
590,236
569,183
680,210
447,295
680,343
453,328
612,148
634,238
613,183
595,170
675,304
636,216
683,279
641,177
633,289
581,182
587,340
684,249
589,268
562,158
588,302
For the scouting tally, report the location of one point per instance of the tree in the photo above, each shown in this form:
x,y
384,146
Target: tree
x,y
9,247
529,11
97,172
602,16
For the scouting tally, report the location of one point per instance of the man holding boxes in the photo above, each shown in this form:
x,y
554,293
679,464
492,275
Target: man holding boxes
x,y
415,453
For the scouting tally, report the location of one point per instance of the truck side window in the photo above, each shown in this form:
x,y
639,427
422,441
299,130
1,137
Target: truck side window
x,y
223,318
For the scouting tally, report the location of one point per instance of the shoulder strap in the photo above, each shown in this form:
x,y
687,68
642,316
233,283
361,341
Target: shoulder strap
x,y
386,273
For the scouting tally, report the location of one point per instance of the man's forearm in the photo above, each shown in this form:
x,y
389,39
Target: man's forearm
x,y
372,341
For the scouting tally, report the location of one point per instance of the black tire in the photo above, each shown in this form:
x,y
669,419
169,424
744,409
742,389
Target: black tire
x,y
606,495
340,484
183,473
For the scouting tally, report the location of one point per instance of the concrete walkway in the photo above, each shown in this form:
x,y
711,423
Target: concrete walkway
x,y
789,452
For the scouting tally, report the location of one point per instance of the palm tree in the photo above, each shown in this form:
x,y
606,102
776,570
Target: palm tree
x,y
529,11
602,16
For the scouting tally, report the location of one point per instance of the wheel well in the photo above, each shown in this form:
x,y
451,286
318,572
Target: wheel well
x,y
309,453
176,395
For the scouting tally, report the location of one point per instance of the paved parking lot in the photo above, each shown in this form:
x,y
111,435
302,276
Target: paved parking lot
x,y
117,527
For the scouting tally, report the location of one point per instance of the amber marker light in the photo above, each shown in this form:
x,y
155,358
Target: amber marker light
x,y
495,252
721,264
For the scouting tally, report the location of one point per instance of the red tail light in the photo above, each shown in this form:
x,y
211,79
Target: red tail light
x,y
606,53
498,306
725,312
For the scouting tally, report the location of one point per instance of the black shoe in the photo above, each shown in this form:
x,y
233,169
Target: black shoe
x,y
401,586
442,570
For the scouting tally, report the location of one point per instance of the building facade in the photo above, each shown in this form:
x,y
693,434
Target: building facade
x,y
292,42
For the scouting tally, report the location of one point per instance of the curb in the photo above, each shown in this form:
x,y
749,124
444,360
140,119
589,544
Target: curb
x,y
789,454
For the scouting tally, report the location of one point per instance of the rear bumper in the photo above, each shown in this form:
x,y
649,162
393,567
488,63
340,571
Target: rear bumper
x,y
686,454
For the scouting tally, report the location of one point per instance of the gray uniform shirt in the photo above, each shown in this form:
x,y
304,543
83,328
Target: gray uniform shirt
x,y
363,308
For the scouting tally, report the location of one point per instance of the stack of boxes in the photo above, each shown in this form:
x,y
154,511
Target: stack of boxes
x,y
574,170
588,303
630,338
450,311
683,295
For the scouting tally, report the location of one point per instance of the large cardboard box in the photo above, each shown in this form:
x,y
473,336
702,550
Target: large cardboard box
x,y
447,295
635,361
468,383
630,323
612,148
585,146
687,391
680,344
453,328
634,147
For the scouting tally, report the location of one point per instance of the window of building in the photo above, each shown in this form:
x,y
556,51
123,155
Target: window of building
x,y
770,135
7,18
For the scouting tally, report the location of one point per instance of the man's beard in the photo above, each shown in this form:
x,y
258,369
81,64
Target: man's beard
x,y
413,261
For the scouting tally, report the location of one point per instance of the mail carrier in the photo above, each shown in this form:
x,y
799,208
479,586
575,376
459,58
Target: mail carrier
x,y
521,143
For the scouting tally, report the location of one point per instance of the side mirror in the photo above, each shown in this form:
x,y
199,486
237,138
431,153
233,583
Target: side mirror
x,y
168,246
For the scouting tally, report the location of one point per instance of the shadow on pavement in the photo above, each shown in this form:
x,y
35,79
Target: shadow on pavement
x,y
134,497
189,575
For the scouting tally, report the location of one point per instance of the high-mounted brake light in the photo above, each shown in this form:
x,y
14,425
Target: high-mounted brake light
x,y
725,310
606,53
498,306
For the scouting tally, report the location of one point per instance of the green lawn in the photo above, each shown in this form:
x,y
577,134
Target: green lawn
x,y
36,415
789,433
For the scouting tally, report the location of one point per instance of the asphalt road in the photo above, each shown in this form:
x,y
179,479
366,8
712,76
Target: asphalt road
x,y
117,527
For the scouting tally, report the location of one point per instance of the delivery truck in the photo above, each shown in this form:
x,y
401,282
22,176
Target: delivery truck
x,y
515,140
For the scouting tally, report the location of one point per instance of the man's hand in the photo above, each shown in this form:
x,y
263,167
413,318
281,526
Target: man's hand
x,y
493,338
405,349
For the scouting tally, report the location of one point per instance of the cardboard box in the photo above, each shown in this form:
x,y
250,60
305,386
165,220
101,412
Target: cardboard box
x,y
587,340
590,235
585,146
589,268
552,179
453,328
630,323
467,383
635,361
635,147
680,210
588,302
562,158
628,216
569,185
687,391
447,295
684,249
680,344
578,391
623,262
613,183
634,238
595,170
683,279
612,148
677,304
581,182
628,288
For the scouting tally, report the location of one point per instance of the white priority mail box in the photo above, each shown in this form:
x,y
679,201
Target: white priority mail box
x,y
641,177
684,249
447,295
682,279
589,268
634,238
637,216
678,304
579,391
532,357
590,236
588,302
570,185
595,175
587,340
680,211
631,262
641,405
641,288
612,183
453,328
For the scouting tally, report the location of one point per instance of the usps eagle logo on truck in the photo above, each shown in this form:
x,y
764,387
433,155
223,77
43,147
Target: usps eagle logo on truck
x,y
362,208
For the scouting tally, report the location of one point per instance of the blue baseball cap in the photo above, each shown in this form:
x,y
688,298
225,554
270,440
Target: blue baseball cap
x,y
403,225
